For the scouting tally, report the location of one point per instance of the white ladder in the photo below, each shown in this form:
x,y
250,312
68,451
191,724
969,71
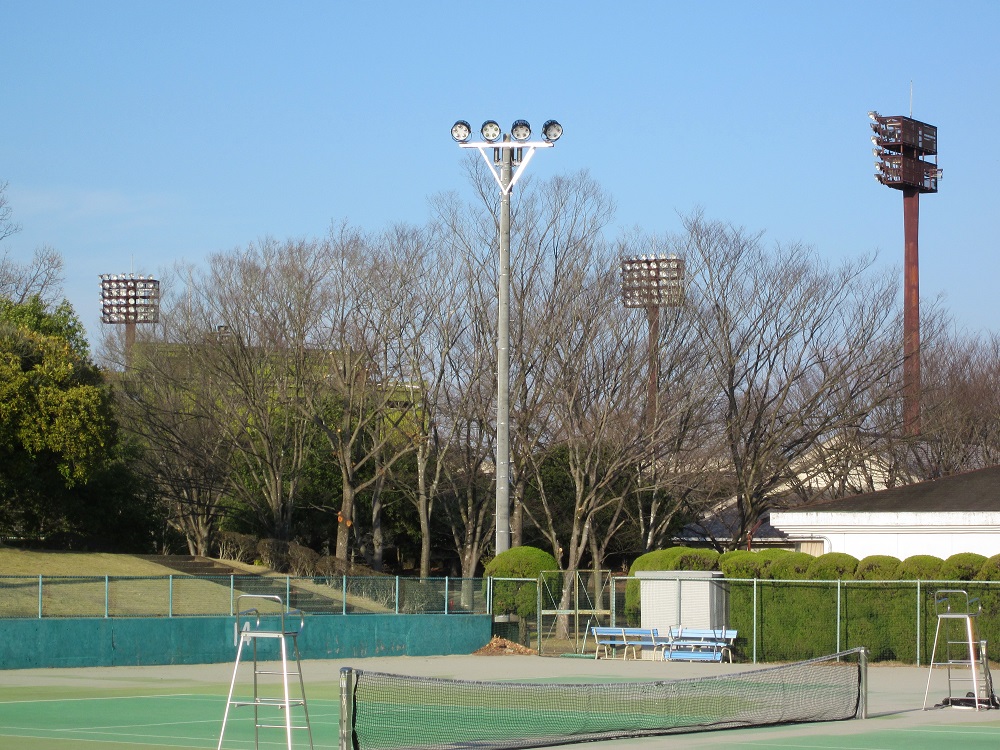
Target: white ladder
x,y
248,632
964,654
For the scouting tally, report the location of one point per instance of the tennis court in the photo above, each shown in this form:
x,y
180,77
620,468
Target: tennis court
x,y
182,706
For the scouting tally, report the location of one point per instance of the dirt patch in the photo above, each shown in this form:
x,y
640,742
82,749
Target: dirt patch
x,y
502,647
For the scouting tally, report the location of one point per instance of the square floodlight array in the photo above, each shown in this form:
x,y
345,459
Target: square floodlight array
x,y
653,280
901,145
127,298
520,131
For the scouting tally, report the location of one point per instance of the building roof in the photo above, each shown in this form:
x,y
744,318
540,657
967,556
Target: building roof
x,y
971,492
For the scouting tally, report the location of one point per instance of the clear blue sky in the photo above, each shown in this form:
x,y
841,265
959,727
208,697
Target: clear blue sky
x,y
136,133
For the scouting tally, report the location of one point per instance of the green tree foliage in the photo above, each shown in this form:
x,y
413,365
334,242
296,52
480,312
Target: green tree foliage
x,y
62,478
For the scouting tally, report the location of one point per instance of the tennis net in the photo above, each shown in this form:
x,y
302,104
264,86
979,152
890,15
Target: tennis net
x,y
381,711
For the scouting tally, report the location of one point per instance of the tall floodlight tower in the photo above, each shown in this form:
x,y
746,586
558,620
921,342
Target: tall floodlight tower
x,y
906,159
652,282
511,153
127,299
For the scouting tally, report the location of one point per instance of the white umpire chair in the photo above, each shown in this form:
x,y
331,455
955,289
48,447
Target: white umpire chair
x,y
283,626
958,648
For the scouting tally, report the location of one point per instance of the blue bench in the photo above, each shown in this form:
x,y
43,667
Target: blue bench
x,y
609,640
696,644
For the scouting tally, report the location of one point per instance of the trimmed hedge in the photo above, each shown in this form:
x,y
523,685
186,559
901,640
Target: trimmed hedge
x,y
920,567
833,566
964,566
793,600
877,568
791,567
518,598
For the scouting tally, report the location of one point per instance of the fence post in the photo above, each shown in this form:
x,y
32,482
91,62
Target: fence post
x,y
170,596
39,597
396,596
344,592
107,596
446,594
614,600
838,615
754,629
232,594
538,612
288,593
918,622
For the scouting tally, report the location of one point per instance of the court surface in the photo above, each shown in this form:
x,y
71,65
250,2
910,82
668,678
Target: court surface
x,y
135,708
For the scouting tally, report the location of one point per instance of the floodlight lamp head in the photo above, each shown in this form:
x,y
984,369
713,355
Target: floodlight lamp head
x,y
520,130
552,131
490,131
873,115
461,131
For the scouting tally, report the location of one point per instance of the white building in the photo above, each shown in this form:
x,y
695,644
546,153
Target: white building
x,y
960,513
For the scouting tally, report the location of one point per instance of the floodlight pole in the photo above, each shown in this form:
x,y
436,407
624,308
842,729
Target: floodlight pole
x,y
906,160
128,300
505,153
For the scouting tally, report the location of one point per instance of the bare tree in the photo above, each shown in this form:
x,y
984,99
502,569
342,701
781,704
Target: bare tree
x,y
170,404
363,412
259,310
960,416
798,353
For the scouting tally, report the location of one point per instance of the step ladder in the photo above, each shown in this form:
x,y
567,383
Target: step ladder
x,y
281,626
957,647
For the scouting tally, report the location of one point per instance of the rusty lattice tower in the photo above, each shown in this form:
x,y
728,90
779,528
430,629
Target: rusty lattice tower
x,y
906,159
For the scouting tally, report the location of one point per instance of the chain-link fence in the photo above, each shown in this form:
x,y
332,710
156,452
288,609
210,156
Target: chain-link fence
x,y
776,620
183,596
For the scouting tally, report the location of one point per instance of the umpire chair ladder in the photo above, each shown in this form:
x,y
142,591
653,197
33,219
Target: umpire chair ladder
x,y
248,632
964,654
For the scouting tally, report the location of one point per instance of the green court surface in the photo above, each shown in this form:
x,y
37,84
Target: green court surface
x,y
182,707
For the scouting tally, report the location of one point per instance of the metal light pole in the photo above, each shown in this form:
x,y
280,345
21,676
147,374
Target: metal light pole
x,y
127,299
901,144
511,154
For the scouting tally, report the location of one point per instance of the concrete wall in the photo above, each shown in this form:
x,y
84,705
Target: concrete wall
x,y
106,642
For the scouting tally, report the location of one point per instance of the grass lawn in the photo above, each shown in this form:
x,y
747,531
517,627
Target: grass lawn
x,y
26,562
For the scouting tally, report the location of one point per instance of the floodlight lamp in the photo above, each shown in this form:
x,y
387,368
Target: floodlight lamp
x,y
490,131
520,130
552,131
873,115
875,141
460,131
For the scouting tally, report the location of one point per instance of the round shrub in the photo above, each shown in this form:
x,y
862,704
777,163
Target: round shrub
x,y
696,559
920,567
833,566
518,597
964,566
793,566
990,570
742,564
877,568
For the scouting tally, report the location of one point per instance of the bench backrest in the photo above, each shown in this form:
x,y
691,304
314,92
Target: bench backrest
x,y
702,634
624,633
